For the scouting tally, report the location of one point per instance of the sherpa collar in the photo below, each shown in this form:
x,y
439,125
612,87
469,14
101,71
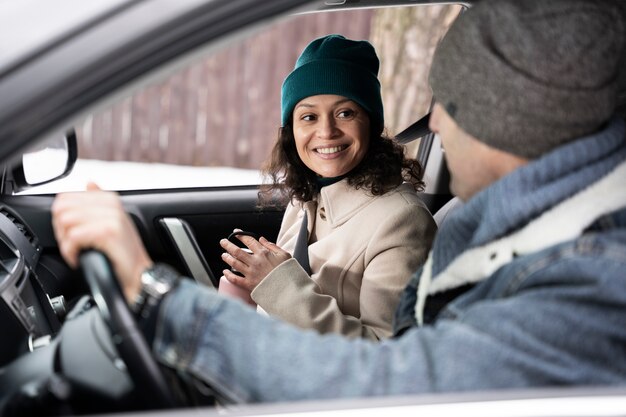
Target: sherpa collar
x,y
550,200
516,199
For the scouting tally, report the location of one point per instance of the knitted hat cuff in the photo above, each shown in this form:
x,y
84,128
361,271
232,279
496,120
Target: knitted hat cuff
x,y
337,77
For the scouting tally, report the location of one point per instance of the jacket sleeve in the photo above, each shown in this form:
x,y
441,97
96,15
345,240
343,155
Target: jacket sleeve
x,y
393,253
555,331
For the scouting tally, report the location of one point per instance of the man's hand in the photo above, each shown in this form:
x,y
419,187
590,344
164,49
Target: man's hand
x,y
95,219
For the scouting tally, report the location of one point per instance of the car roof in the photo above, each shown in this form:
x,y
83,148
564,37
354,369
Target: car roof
x,y
48,24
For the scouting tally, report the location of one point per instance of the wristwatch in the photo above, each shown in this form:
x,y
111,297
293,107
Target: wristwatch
x,y
156,282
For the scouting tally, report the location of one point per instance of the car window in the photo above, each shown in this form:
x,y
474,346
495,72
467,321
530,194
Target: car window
x,y
214,122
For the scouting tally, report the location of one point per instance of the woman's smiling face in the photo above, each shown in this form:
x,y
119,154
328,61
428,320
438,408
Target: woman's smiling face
x,y
332,134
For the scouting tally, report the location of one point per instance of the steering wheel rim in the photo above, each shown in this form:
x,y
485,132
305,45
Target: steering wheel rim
x,y
132,347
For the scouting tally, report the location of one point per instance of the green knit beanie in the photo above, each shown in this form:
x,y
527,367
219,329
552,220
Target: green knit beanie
x,y
336,65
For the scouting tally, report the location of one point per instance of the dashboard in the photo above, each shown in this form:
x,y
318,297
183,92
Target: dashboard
x,y
47,345
28,315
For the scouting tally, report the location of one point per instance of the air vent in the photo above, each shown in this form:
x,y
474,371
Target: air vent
x,y
8,258
21,227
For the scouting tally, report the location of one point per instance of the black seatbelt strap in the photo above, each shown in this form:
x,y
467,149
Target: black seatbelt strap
x,y
301,251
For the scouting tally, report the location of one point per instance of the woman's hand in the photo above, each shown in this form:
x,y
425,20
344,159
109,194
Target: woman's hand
x,y
95,219
254,266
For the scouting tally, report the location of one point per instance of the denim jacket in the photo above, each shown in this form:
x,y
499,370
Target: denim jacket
x,y
550,317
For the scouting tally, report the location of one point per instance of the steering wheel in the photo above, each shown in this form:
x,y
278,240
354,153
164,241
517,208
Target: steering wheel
x,y
128,339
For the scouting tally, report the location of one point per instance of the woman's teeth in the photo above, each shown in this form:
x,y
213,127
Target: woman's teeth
x,y
333,149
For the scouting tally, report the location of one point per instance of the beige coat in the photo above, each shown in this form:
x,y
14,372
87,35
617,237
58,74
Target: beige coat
x,y
362,252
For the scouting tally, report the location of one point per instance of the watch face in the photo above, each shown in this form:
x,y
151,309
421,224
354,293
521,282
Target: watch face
x,y
156,281
159,279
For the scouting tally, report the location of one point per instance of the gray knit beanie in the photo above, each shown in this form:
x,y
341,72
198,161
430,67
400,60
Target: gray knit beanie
x,y
528,76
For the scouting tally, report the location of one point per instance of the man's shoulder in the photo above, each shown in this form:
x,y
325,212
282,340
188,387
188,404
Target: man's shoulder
x,y
596,254
606,237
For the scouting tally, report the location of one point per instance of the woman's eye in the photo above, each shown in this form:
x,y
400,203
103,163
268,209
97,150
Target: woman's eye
x,y
307,117
345,114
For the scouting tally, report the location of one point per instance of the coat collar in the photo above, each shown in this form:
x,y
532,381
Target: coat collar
x,y
516,199
564,222
340,201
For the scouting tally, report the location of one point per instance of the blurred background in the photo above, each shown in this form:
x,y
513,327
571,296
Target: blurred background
x,y
224,111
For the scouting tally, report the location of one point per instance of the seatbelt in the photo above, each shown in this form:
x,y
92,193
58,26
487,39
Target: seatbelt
x,y
415,131
301,251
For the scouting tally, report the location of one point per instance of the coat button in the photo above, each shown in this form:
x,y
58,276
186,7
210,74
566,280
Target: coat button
x,y
322,213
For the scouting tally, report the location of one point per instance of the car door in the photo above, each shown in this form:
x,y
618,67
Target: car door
x,y
170,222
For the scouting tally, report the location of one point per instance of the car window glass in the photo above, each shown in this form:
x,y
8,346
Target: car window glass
x,y
214,122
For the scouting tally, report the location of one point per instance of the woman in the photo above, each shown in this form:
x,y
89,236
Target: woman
x,y
366,229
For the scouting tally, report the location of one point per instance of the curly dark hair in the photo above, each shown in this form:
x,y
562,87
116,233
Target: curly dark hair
x,y
383,168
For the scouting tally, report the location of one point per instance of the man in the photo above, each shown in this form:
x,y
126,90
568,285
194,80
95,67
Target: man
x,y
526,283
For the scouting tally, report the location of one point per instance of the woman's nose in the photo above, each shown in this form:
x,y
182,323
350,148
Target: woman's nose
x,y
326,128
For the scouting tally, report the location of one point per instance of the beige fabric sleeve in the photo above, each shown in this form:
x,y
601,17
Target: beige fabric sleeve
x,y
395,251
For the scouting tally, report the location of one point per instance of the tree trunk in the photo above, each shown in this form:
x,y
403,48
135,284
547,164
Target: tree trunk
x,y
405,39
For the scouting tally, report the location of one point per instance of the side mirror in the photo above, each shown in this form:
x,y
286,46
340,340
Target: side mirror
x,y
49,161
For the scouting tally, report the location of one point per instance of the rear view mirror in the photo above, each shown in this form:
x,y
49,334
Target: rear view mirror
x,y
49,161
